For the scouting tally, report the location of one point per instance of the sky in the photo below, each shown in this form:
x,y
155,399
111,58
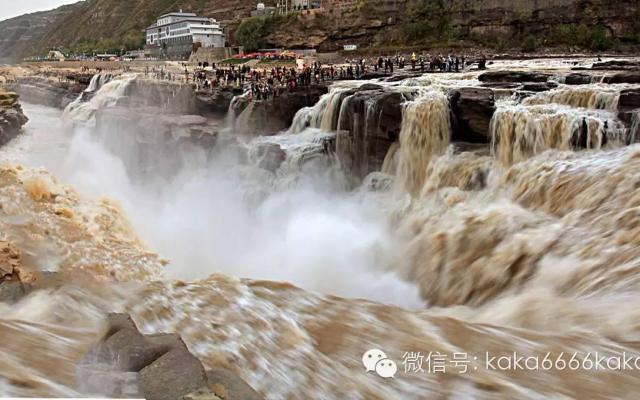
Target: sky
x,y
13,8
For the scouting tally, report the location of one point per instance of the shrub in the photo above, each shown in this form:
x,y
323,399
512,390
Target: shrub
x,y
529,45
252,32
589,37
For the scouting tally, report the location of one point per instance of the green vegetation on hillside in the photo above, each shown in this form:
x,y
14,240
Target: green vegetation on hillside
x,y
252,32
427,21
110,45
116,25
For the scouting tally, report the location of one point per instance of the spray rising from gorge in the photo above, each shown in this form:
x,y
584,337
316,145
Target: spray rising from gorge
x,y
525,239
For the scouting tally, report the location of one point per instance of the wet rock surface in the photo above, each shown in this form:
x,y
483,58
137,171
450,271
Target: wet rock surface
x,y
623,77
156,367
617,65
471,112
539,86
163,133
270,156
12,288
578,79
11,116
513,76
267,117
175,98
48,91
628,103
370,122
216,101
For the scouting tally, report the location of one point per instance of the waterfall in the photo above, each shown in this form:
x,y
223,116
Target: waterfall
x,y
519,132
107,96
235,108
97,82
323,115
635,127
594,97
425,132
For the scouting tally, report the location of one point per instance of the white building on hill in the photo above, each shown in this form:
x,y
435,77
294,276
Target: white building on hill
x,y
175,34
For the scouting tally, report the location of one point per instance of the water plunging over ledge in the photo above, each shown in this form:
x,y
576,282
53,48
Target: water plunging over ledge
x,y
523,238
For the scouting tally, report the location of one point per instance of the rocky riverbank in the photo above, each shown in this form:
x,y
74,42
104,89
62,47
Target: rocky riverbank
x,y
11,116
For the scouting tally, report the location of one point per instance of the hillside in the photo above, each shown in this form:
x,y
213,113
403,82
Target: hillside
x,y
21,35
499,24
101,23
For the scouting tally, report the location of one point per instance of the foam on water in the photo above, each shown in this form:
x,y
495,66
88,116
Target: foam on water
x,y
533,249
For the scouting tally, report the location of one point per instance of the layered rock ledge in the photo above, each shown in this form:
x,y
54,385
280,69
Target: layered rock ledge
x,y
48,91
11,116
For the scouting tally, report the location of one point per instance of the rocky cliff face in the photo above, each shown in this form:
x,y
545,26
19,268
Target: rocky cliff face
x,y
42,90
492,23
11,117
275,115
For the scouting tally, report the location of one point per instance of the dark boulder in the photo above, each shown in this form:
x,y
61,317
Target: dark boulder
x,y
370,122
539,86
369,86
172,376
117,322
169,371
81,78
130,350
270,156
12,119
374,75
12,291
623,77
229,386
402,75
617,65
471,111
578,79
501,85
514,76
628,103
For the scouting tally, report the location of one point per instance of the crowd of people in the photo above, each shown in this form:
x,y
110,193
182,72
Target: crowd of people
x,y
263,83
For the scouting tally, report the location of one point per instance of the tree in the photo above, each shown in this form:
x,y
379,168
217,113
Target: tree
x,y
251,33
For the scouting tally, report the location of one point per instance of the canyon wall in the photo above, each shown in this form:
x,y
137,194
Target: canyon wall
x,y
493,23
11,116
592,24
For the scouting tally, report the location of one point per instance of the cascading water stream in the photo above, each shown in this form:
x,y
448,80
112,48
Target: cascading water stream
x,y
634,132
324,115
107,96
425,134
597,97
532,249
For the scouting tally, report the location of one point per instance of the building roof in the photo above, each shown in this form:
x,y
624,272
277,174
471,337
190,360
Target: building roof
x,y
178,14
188,19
